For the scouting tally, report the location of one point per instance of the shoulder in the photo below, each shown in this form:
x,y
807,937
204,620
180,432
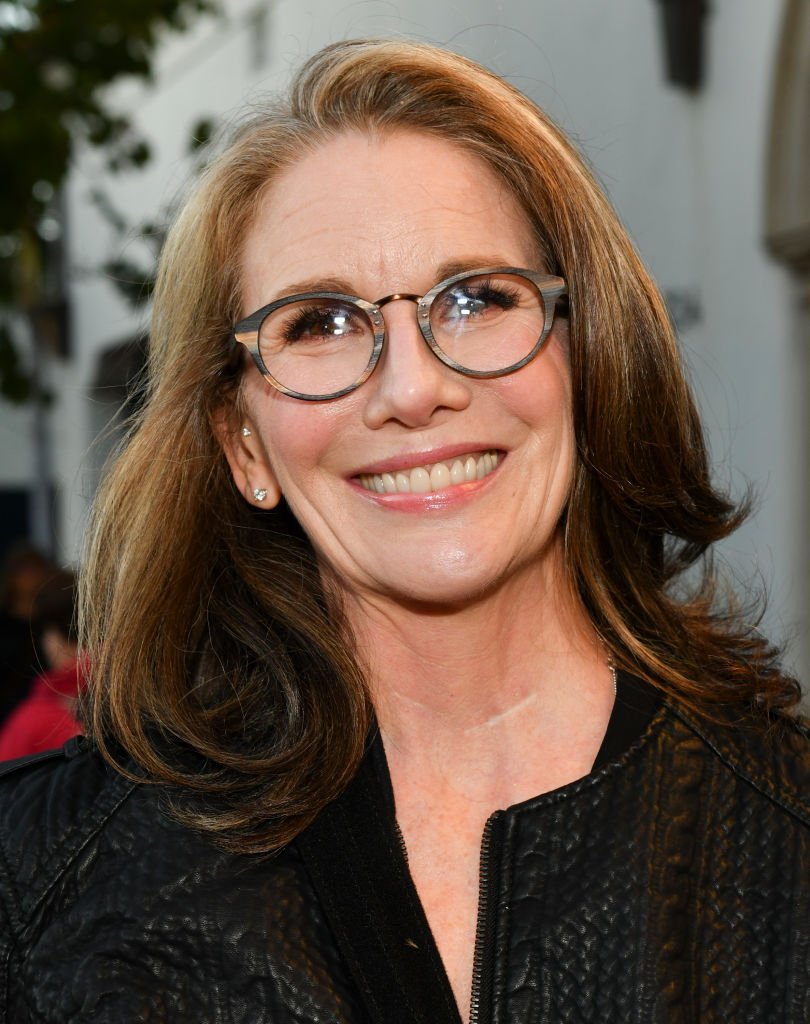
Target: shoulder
x,y
772,758
108,902
72,782
75,831
51,804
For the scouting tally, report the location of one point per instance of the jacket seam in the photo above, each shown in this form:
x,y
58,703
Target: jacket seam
x,y
28,760
15,925
798,948
647,966
55,868
697,927
19,920
784,800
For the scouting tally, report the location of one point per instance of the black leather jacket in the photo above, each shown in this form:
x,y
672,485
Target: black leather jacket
x,y
671,885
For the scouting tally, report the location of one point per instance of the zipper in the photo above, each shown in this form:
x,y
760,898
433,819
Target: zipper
x,y
485,925
401,839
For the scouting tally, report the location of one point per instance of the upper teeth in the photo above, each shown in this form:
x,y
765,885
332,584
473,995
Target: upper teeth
x,y
434,477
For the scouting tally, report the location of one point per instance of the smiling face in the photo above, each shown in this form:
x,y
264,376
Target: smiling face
x,y
423,485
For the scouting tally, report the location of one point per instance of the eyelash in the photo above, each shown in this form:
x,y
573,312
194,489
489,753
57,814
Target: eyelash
x,y
486,291
305,317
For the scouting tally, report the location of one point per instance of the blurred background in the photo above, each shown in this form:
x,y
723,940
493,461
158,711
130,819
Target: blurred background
x,y
695,116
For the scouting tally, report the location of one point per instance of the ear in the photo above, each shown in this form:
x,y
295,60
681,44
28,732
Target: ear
x,y
247,457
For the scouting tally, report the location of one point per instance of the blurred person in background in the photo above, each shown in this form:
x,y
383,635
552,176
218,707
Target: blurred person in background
x,y
413,698
46,717
25,569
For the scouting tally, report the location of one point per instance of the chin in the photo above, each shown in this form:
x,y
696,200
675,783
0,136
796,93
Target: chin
x,y
445,588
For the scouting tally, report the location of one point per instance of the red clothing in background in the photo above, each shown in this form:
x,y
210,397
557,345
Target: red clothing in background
x,y
45,718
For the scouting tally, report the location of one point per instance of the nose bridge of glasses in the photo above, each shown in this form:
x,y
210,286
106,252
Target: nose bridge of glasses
x,y
396,297
407,297
406,321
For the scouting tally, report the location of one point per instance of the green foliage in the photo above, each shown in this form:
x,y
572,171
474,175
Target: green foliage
x,y
201,134
56,56
134,280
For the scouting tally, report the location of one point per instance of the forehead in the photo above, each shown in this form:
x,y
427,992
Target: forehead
x,y
383,211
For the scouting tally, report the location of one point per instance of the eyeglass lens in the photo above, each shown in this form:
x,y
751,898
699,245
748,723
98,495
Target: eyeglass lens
x,y
484,323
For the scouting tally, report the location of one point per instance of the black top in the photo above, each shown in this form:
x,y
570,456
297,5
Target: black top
x,y
633,710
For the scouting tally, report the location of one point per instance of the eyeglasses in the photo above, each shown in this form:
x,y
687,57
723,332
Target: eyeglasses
x,y
316,346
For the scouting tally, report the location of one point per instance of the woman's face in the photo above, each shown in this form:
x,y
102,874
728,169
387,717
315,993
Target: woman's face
x,y
372,216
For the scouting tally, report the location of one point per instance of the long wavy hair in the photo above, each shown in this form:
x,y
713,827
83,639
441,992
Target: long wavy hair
x,y
221,667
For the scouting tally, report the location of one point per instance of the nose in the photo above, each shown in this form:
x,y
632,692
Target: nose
x,y
409,384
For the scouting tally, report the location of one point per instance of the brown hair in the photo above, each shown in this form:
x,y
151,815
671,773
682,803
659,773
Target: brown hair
x,y
218,667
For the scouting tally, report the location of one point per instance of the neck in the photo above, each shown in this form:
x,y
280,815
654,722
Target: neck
x,y
474,675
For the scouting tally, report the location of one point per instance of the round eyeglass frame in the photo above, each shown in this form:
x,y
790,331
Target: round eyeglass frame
x,y
247,330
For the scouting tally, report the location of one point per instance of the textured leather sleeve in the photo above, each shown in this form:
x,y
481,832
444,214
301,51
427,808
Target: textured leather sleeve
x,y
113,912
9,931
51,805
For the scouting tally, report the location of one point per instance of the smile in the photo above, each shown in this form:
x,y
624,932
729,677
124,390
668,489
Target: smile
x,y
437,476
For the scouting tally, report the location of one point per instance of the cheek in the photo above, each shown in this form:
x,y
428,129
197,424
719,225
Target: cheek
x,y
540,395
542,401
292,448
298,438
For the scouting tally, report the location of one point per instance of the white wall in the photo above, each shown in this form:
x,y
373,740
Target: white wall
x,y
686,174
15,444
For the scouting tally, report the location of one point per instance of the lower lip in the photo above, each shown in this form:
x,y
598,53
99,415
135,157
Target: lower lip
x,y
434,501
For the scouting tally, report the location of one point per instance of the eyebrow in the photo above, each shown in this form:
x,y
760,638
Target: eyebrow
x,y
337,284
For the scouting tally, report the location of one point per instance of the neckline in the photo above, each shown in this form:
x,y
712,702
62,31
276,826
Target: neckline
x,y
360,871
634,707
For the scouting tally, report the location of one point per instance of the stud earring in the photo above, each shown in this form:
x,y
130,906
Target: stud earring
x,y
259,493
246,432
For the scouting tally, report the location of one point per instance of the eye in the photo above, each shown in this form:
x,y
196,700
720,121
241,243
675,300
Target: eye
x,y
320,323
470,300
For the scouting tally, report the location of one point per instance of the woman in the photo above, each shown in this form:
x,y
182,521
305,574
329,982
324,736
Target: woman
x,y
392,561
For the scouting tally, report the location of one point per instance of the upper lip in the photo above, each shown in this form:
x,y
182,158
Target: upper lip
x,y
410,460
